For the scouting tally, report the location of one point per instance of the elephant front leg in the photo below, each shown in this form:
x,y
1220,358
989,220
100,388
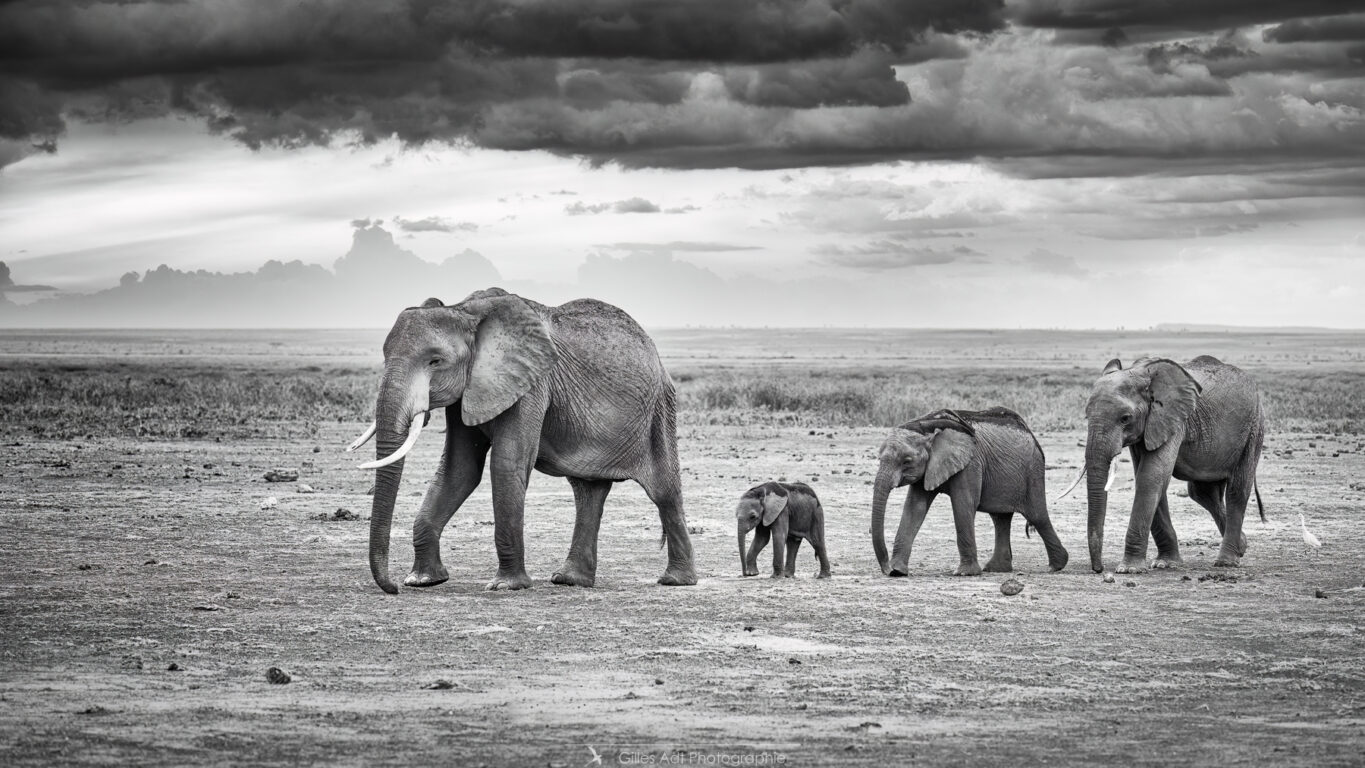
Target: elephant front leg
x,y
457,476
580,567
964,520
1002,559
761,535
1153,475
912,517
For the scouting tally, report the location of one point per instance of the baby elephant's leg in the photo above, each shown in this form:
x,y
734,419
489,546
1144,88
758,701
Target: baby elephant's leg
x,y
793,544
817,540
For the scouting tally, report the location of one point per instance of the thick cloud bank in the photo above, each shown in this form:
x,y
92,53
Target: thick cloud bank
x,y
708,83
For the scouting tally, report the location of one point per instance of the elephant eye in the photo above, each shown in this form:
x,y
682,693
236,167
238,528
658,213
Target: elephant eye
x,y
1125,418
435,361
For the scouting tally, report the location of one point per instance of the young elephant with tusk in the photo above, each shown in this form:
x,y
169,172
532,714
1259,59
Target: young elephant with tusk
x,y
574,391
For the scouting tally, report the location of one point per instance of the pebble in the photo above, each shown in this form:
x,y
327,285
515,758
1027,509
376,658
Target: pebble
x,y
270,502
1011,587
282,476
306,488
277,676
1108,578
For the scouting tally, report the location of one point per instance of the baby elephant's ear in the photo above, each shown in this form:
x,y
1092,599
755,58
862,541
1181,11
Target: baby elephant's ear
x,y
774,501
950,453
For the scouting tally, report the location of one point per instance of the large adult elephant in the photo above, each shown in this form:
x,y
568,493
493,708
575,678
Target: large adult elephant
x,y
1199,422
575,391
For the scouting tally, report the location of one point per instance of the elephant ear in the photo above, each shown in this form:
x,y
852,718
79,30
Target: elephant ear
x,y
1173,393
774,501
432,303
1111,366
512,351
950,453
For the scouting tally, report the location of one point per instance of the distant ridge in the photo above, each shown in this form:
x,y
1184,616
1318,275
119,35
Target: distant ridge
x,y
1212,328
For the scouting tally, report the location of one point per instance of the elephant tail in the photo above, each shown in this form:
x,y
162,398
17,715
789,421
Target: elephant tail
x,y
1259,506
1028,528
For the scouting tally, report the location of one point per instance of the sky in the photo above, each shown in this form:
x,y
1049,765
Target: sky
x,y
934,163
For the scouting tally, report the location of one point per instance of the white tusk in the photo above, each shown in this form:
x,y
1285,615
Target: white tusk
x,y
364,438
1071,487
1113,470
413,432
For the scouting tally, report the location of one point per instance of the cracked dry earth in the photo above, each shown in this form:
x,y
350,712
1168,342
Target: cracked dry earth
x,y
119,563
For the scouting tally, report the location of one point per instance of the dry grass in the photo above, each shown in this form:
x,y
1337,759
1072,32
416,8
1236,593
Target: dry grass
x,y
204,400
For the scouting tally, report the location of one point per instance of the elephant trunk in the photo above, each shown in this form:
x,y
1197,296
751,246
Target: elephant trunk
x,y
394,418
743,561
1097,456
881,489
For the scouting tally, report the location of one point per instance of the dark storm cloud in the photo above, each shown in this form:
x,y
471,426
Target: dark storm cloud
x,y
1174,15
882,255
704,84
1330,29
7,284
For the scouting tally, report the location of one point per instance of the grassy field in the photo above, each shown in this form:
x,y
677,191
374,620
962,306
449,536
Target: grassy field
x,y
258,394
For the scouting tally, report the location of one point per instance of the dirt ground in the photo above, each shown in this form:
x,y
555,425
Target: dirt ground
x,y
144,594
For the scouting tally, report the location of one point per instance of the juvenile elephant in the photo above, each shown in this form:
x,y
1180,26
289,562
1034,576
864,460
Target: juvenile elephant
x,y
984,460
788,513
1201,423
574,391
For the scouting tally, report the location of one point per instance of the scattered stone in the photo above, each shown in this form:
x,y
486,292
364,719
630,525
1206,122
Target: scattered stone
x,y
439,685
1185,578
748,629
1218,577
270,502
233,596
317,449
793,660
173,667
277,676
207,607
305,488
695,529
342,513
94,709
802,705
1011,587
85,567
1319,594
150,561
1108,578
658,681
282,476
1130,583
631,695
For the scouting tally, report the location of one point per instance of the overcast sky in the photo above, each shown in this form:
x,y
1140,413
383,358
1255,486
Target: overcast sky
x,y
1032,163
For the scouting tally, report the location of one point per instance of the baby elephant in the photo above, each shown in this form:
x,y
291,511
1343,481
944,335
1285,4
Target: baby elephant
x,y
787,512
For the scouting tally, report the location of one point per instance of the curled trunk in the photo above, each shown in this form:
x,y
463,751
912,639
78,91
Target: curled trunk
x,y
881,489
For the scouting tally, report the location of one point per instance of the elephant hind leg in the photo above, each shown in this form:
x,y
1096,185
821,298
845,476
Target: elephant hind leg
x,y
580,567
1035,514
662,481
1163,533
1234,542
1002,559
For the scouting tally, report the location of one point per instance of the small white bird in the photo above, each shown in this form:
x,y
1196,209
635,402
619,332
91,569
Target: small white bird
x,y
1308,538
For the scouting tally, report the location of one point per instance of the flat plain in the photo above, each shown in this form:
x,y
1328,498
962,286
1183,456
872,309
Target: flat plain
x,y
144,592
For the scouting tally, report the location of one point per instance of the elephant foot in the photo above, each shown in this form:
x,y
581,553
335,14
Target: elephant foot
x,y
571,574
822,575
675,576
1241,545
509,581
998,566
968,569
1132,565
427,576
1226,560
898,568
750,571
1059,562
1162,562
